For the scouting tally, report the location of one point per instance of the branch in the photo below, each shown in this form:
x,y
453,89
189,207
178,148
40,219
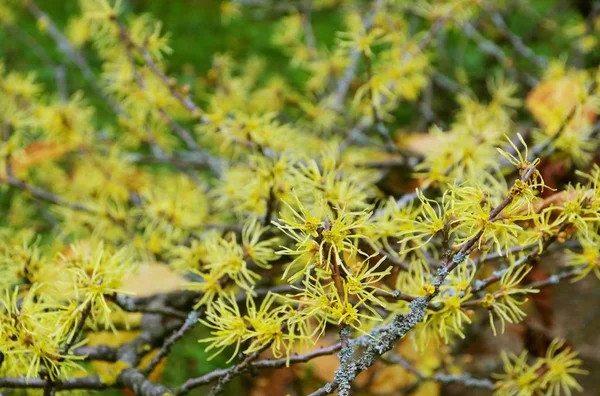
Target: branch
x,y
403,323
343,85
91,383
189,323
465,379
47,196
99,352
490,48
171,85
539,149
556,278
518,43
130,304
235,370
71,53
261,364
482,284
59,69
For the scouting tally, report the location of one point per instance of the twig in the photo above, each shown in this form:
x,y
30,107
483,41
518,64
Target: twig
x,y
549,281
465,379
539,149
171,85
235,370
91,383
556,278
189,323
517,42
59,69
482,284
503,253
403,323
395,295
99,352
309,34
260,364
47,196
492,49
343,85
192,160
271,202
71,53
395,261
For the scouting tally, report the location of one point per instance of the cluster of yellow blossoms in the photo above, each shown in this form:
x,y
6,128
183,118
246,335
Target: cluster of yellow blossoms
x,y
271,198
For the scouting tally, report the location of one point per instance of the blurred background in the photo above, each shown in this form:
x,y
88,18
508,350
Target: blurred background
x,y
202,29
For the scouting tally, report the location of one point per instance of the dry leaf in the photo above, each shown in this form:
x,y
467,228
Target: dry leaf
x,y
153,278
419,143
37,153
557,97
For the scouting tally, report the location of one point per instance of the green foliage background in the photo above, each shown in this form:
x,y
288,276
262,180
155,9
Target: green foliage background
x,y
197,34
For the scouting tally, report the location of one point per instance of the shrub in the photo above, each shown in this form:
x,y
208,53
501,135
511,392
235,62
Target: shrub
x,y
304,217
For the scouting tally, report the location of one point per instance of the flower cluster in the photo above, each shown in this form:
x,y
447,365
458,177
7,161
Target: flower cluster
x,y
292,204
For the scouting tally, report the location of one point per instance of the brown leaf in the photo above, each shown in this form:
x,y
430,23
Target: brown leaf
x,y
557,96
152,278
37,153
415,142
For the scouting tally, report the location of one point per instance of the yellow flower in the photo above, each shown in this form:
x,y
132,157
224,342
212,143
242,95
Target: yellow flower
x,y
227,325
359,38
258,249
562,363
520,379
505,302
588,260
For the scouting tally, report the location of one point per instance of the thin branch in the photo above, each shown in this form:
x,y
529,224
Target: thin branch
x,y
518,43
497,255
171,84
99,352
490,48
539,149
191,160
129,304
343,85
59,69
465,379
50,197
309,35
549,281
260,364
396,295
556,278
403,323
71,53
90,383
189,323
496,276
235,370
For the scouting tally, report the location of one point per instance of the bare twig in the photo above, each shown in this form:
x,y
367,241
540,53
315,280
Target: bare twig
x,y
465,379
189,323
343,85
59,69
260,364
517,42
71,53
